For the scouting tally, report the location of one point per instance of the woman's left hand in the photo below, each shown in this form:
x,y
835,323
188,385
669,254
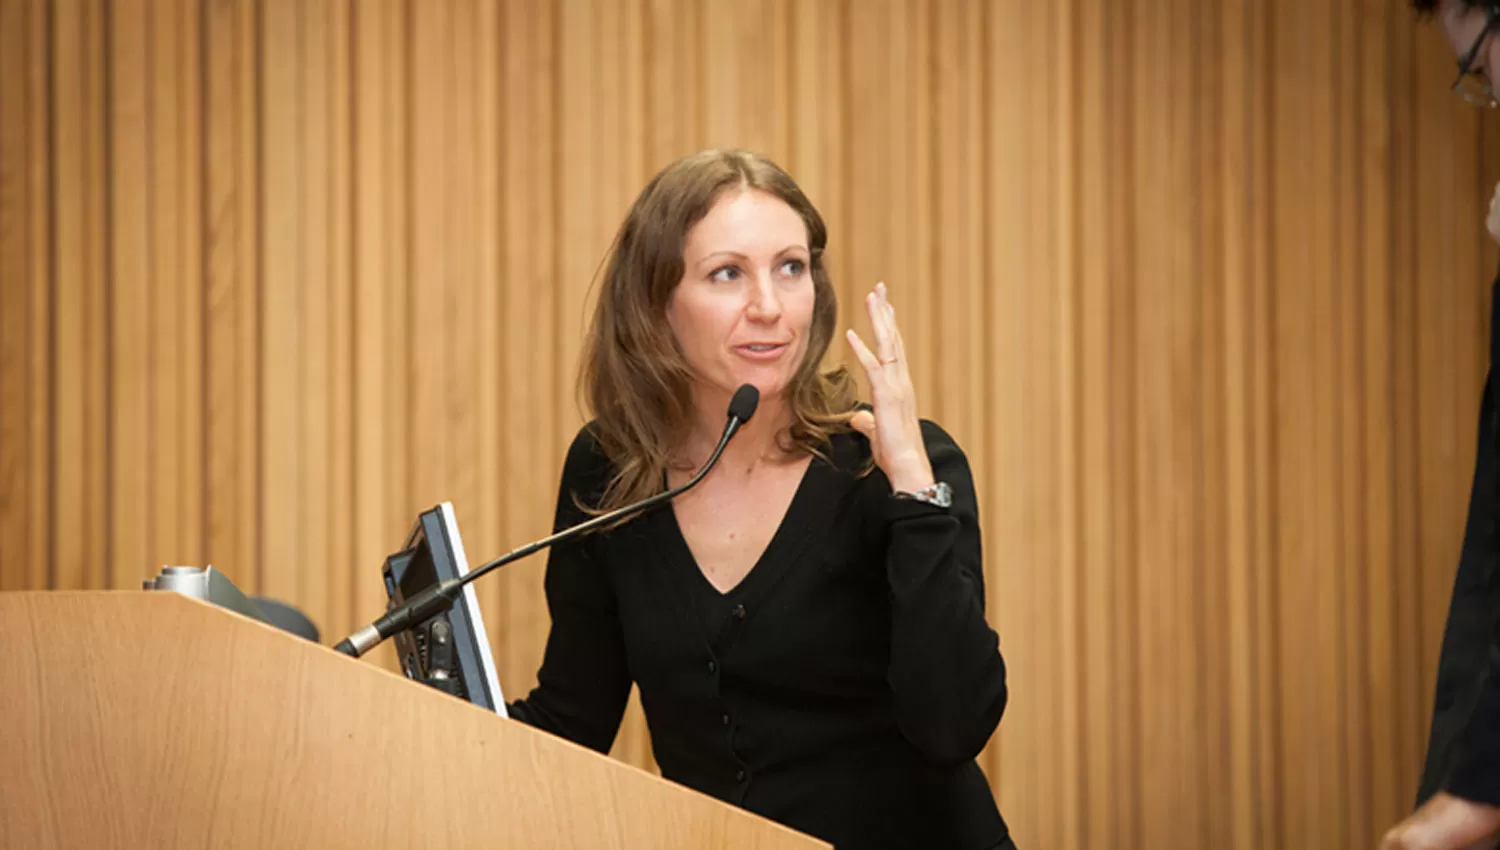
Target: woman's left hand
x,y
894,429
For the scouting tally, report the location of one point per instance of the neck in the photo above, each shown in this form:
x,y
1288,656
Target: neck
x,y
756,441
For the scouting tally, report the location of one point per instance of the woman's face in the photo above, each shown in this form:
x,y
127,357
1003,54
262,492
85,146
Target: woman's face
x,y
744,306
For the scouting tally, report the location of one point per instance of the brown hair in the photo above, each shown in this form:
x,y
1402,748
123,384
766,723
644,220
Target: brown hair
x,y
633,379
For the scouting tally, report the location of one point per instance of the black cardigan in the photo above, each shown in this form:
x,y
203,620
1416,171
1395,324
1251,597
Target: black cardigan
x,y
843,688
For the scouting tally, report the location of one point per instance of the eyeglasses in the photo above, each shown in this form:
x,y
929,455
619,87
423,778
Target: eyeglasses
x,y
1473,84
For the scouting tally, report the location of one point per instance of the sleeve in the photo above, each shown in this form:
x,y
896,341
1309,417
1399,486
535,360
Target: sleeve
x,y
1474,773
946,670
1476,766
584,681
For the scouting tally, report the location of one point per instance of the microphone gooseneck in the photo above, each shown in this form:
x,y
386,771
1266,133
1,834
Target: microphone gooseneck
x,y
440,597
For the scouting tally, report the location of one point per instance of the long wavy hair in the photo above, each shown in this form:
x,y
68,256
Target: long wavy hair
x,y
633,379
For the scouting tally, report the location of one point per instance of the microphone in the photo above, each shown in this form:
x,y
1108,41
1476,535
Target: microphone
x,y
440,597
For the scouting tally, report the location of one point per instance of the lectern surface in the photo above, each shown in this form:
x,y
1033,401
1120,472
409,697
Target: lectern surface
x,y
135,719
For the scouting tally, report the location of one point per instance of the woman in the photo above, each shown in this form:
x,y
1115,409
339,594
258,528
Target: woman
x,y
806,625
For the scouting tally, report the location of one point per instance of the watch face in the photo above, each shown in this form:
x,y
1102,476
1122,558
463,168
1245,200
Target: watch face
x,y
943,494
939,494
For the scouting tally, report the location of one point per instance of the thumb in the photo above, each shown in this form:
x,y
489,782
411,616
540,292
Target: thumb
x,y
864,422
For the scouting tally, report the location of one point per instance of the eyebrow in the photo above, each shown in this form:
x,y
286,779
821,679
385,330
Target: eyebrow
x,y
737,255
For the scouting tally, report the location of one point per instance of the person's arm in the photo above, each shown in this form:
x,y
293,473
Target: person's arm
x,y
946,673
1476,765
1463,815
946,670
1475,774
583,682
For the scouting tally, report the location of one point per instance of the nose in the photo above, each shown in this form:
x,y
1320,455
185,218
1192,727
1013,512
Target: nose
x,y
765,301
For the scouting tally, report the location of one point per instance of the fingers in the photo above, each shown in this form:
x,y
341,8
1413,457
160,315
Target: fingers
x,y
889,346
864,422
880,322
863,353
900,342
1446,822
889,352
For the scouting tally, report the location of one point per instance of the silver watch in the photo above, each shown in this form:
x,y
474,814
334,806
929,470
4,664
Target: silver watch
x,y
939,494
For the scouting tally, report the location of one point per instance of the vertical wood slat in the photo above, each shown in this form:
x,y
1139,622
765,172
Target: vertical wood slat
x,y
64,351
1350,314
382,376
370,198
163,323
430,311
1210,592
40,268
674,91
1379,638
1305,452
1244,822
283,355
1405,537
1163,379
132,289
16,227
98,380
315,289
1063,316
1265,522
232,316
464,284
244,368
1103,766
191,369
529,79
866,241
24,236
1169,282
490,392
334,268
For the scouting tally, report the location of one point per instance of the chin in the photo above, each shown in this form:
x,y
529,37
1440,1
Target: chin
x,y
770,386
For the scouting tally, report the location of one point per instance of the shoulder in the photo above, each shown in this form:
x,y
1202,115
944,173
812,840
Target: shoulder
x,y
585,447
587,470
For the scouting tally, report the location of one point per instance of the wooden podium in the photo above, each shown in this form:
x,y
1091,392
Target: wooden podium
x,y
149,719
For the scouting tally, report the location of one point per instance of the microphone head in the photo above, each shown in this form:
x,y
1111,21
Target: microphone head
x,y
742,406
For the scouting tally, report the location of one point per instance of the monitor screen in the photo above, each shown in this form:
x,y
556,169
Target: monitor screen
x,y
450,651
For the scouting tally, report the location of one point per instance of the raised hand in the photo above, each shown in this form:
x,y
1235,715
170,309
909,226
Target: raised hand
x,y
894,428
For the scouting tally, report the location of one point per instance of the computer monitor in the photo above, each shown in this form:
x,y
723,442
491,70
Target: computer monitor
x,y
450,651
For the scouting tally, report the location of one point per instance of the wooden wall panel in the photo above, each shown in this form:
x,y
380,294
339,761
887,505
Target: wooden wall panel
x,y
529,386
25,292
129,288
1201,287
15,232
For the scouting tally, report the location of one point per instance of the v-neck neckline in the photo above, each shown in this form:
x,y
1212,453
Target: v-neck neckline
x,y
787,537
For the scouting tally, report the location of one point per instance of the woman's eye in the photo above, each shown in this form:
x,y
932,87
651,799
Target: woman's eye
x,y
793,268
726,274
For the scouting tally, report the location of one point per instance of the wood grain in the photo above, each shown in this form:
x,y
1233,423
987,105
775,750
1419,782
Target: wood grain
x,y
175,724
1201,287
